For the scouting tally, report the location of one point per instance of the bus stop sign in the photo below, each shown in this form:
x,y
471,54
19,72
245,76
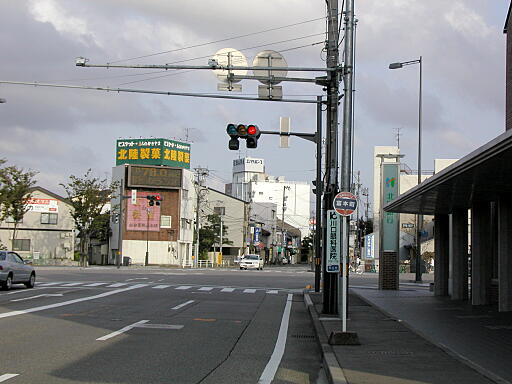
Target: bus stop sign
x,y
345,203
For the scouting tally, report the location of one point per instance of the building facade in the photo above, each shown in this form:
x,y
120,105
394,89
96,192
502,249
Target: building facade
x,y
46,235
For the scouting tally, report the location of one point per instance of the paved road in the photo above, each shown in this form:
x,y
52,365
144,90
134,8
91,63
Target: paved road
x,y
102,325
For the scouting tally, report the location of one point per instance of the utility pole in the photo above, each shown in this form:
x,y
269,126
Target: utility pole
x,y
357,248
331,155
201,174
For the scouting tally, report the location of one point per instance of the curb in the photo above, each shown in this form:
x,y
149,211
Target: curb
x,y
481,370
332,368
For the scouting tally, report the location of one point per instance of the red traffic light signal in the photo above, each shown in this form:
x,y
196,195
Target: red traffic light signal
x,y
250,133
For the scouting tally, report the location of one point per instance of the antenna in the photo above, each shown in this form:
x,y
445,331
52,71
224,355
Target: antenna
x,y
397,136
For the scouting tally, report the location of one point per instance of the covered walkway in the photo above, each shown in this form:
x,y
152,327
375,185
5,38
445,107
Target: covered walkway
x,y
472,204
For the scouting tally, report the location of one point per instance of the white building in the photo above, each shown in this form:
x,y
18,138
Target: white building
x,y
251,183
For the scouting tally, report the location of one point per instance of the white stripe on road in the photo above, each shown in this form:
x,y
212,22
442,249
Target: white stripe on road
x,y
122,330
273,364
8,376
273,292
205,289
184,287
116,285
47,284
94,284
37,296
183,304
161,286
71,284
69,302
249,290
227,289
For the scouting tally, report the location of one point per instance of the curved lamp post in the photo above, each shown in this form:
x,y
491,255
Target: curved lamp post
x,y
419,218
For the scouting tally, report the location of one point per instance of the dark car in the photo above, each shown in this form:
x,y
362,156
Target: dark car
x,y
13,270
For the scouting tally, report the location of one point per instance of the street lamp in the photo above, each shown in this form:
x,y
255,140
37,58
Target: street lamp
x,y
419,217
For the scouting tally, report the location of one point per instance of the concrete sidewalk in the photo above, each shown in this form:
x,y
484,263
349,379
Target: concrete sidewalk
x,y
480,336
390,352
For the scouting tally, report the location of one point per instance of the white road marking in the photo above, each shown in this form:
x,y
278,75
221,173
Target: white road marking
x,y
138,278
273,292
122,330
8,376
205,289
227,289
249,290
183,304
159,326
71,284
273,364
94,284
116,285
69,302
47,284
183,287
22,291
35,297
161,286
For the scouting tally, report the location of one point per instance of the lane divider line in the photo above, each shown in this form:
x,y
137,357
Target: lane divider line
x,y
273,364
122,330
227,289
205,289
8,376
94,284
69,302
183,304
249,290
161,286
183,287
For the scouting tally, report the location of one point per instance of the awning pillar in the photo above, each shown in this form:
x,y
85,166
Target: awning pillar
x,y
458,280
442,255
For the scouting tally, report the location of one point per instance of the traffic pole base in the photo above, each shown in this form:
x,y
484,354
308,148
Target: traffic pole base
x,y
344,338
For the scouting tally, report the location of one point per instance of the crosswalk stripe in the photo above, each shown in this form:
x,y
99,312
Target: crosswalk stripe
x,y
116,285
227,289
272,292
94,284
71,284
183,287
249,290
161,286
47,284
205,289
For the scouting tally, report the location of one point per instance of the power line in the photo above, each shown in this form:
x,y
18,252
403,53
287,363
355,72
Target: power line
x,y
219,41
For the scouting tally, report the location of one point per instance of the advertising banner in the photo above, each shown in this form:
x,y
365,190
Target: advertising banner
x,y
390,191
369,246
139,215
333,257
153,152
43,205
257,235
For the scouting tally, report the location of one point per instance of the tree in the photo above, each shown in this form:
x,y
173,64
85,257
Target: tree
x,y
15,191
88,196
209,234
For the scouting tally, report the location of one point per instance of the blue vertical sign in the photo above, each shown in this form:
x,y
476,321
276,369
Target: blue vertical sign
x,y
257,235
390,191
369,245
333,257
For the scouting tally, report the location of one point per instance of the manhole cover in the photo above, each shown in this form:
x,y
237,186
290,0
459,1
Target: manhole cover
x,y
305,337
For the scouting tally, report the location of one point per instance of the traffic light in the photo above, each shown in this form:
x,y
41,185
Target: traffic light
x,y
253,134
154,200
250,133
318,188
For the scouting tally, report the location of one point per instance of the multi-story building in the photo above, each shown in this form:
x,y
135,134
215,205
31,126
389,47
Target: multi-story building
x,y
46,234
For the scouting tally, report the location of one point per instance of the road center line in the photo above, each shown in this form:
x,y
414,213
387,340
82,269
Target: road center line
x,y
273,364
122,330
183,304
69,302
8,376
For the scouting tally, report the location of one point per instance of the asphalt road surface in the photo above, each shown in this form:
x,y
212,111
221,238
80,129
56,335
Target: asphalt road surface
x,y
103,325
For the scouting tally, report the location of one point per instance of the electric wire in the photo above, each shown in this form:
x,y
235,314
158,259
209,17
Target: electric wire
x,y
218,41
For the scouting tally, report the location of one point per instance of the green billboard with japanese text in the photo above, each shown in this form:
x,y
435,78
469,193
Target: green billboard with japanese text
x,y
153,152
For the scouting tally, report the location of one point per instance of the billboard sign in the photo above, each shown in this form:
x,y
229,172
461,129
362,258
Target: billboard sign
x,y
248,165
142,217
257,235
153,152
390,191
42,205
369,246
333,257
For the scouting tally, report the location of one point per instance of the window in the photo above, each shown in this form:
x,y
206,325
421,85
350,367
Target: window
x,y
219,210
2,256
21,245
16,258
49,218
165,221
261,193
9,219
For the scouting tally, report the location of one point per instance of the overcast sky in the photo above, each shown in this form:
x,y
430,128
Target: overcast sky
x,y
60,132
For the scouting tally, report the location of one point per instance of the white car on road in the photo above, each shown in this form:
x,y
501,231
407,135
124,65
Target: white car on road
x,y
13,270
252,262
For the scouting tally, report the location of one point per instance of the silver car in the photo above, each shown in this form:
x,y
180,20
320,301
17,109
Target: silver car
x,y
13,270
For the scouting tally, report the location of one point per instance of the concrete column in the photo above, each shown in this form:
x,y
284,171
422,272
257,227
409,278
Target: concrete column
x,y
505,254
442,257
458,281
481,257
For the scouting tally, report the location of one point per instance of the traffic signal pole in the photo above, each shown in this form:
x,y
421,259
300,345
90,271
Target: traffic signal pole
x,y
318,196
